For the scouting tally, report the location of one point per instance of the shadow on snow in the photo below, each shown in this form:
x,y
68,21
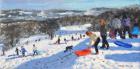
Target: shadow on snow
x,y
128,57
60,60
63,60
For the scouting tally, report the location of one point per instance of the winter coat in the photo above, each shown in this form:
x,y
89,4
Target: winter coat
x,y
34,48
103,30
116,23
93,38
16,50
23,50
126,22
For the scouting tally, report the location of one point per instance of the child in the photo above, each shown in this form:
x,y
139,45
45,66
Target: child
x,y
35,50
94,40
3,50
23,50
80,36
58,41
17,51
65,40
72,38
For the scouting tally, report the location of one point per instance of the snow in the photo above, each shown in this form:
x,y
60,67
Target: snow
x,y
66,13
51,56
76,27
94,12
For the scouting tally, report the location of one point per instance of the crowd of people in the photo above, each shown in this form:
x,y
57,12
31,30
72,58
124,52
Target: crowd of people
x,y
123,24
74,37
118,25
23,51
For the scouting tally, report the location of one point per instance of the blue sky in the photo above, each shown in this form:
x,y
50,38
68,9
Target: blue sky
x,y
64,4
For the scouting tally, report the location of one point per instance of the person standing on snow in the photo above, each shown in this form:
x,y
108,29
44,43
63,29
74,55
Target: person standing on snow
x,y
58,41
17,51
80,36
126,22
135,29
65,40
103,33
35,50
94,41
111,29
117,26
3,50
72,38
23,50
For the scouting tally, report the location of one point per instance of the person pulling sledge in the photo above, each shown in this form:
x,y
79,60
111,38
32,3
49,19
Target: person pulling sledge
x,y
94,41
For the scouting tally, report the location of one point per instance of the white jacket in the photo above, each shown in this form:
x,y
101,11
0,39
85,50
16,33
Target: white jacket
x,y
34,48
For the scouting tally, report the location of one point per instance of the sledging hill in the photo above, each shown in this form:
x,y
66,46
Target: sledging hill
x,y
51,56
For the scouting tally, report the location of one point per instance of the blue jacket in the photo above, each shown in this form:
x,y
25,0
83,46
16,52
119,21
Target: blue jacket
x,y
23,50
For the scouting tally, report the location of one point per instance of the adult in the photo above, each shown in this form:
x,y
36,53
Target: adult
x,y
116,25
126,22
103,33
135,30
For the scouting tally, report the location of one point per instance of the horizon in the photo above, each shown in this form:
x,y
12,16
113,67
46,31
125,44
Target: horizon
x,y
65,4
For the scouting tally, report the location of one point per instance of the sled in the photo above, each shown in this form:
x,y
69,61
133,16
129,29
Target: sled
x,y
83,52
122,44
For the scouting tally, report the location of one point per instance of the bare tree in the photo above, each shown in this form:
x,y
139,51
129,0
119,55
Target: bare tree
x,y
12,35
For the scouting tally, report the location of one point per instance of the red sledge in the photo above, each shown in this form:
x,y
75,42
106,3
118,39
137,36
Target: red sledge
x,y
83,52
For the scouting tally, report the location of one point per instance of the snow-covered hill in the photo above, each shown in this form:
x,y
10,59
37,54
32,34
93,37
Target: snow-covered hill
x,y
93,12
51,56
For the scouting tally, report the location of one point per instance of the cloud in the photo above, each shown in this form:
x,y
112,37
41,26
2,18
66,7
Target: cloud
x,y
66,4
33,1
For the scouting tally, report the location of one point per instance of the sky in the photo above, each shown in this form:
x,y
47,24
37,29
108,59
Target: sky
x,y
65,4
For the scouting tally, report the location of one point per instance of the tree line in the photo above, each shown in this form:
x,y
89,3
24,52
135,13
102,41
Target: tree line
x,y
12,32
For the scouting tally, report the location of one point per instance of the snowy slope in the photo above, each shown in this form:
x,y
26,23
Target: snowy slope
x,y
52,55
